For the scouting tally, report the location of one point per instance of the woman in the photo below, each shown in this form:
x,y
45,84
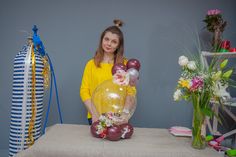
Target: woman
x,y
109,52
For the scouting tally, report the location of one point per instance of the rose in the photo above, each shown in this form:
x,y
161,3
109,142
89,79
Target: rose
x,y
191,65
183,61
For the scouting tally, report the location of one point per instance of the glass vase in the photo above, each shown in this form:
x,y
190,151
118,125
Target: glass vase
x,y
198,141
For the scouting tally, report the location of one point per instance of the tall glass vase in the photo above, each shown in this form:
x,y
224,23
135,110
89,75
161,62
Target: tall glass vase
x,y
198,141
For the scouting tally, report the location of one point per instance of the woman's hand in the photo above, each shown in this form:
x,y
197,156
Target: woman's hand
x,y
123,119
92,110
94,118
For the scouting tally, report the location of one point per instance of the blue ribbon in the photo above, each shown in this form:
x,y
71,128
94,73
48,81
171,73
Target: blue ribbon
x,y
38,46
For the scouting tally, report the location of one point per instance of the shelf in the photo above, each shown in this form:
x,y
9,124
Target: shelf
x,y
227,103
219,54
213,128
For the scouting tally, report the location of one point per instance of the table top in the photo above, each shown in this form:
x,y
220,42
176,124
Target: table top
x,y
68,140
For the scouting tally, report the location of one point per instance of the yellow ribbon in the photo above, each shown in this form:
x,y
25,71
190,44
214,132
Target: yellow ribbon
x,y
31,130
46,72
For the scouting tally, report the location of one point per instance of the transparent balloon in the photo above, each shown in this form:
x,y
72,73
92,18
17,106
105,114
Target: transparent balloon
x,y
112,97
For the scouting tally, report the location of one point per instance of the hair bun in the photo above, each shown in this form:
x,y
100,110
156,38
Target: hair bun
x,y
118,23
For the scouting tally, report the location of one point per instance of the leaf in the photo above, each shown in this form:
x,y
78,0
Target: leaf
x,y
208,112
223,64
228,73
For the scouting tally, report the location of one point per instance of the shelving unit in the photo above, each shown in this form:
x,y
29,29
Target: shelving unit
x,y
230,103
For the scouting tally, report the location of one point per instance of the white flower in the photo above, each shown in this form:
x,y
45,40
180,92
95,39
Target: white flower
x,y
183,60
177,95
102,118
99,127
191,65
109,122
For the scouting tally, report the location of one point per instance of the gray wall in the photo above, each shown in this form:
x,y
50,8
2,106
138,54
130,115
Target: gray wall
x,y
156,32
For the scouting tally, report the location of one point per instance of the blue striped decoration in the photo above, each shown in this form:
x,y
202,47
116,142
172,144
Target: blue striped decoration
x,y
20,111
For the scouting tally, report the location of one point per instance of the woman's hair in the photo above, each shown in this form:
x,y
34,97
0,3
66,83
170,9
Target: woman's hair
x,y
115,29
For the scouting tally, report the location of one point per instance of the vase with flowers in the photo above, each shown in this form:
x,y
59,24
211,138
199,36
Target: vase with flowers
x,y
200,84
215,24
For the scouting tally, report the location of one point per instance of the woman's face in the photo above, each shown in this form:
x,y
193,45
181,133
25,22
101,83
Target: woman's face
x,y
110,42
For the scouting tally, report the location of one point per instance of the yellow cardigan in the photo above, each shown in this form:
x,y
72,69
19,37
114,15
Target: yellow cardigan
x,y
93,76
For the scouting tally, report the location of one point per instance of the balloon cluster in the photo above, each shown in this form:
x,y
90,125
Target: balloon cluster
x,y
132,69
107,129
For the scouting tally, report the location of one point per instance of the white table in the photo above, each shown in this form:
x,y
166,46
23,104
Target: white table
x,y
66,140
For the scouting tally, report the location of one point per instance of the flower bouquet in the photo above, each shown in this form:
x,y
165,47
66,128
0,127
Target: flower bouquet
x,y
215,24
200,84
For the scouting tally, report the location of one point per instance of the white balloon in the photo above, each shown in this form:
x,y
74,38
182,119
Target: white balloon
x,y
134,76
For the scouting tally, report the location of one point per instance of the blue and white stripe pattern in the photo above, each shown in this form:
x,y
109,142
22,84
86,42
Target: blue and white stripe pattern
x,y
21,110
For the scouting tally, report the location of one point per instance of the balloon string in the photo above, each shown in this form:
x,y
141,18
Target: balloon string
x,y
50,97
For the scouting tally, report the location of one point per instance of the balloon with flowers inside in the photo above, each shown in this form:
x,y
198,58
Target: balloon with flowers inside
x,y
116,103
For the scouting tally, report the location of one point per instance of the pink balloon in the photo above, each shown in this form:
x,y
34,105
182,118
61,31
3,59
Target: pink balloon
x,y
127,130
133,63
93,129
114,133
118,66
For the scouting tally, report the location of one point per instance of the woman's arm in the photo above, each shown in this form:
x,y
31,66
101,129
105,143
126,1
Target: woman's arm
x,y
129,107
91,109
85,91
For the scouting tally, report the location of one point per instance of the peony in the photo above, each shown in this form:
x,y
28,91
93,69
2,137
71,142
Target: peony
x,y
191,65
177,94
183,61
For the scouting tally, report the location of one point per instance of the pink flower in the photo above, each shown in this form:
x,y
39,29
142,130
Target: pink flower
x,y
121,77
213,12
196,83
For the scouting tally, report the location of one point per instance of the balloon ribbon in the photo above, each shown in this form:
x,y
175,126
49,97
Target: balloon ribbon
x,y
30,139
